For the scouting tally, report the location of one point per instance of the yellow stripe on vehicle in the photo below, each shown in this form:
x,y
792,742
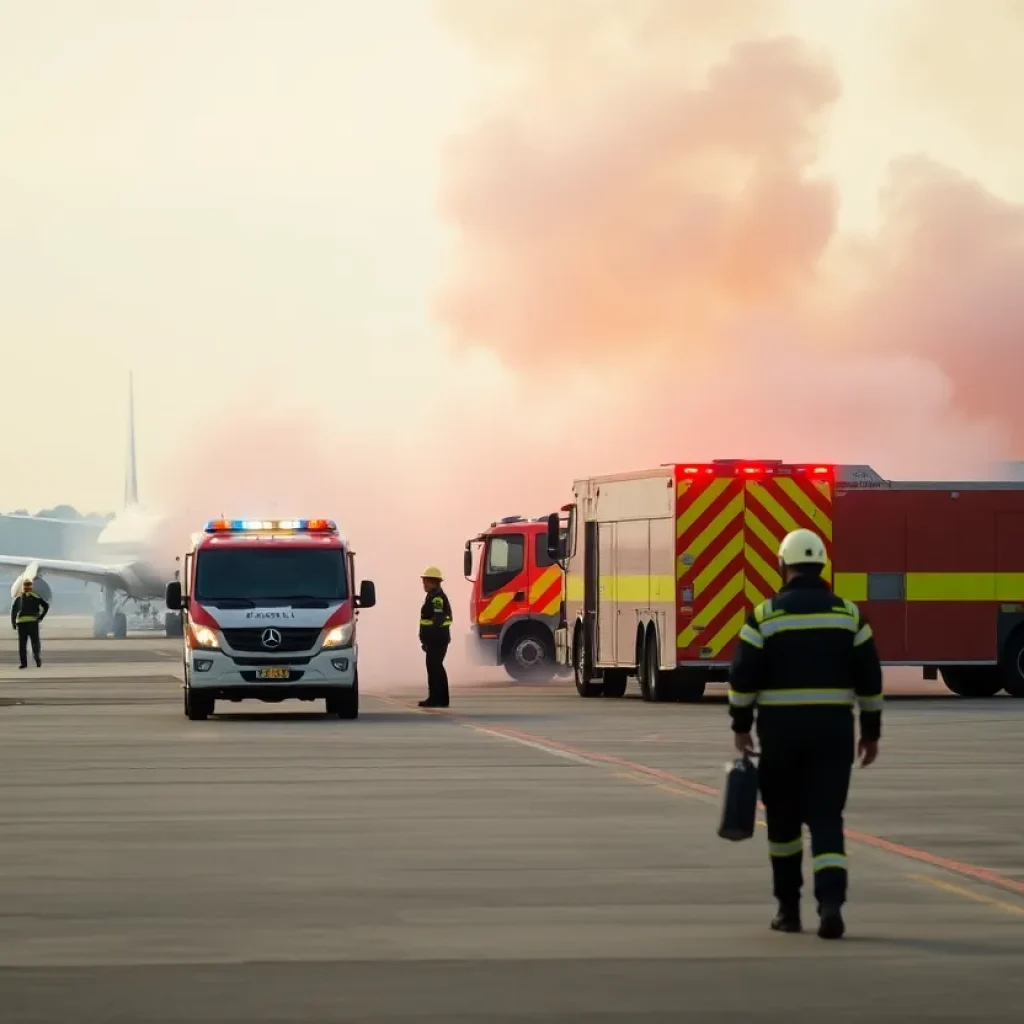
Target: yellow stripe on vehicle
x,y
497,605
753,595
713,530
767,573
711,610
732,550
574,587
552,607
544,583
700,504
819,521
727,633
851,585
760,494
941,586
636,589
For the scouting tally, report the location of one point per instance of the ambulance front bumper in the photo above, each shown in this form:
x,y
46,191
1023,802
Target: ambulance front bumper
x,y
328,670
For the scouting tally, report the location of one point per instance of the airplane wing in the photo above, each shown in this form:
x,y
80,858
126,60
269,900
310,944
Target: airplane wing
x,y
88,572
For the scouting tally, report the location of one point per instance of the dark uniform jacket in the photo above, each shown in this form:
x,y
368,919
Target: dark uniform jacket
x,y
435,618
28,608
806,647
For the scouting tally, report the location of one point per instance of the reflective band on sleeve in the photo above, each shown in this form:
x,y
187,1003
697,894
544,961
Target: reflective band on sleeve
x,y
864,634
751,636
426,622
830,860
795,698
763,609
820,620
742,700
791,849
447,622
870,703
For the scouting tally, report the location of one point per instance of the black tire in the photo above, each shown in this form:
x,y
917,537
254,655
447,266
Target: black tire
x,y
198,707
100,626
172,624
660,685
120,625
615,682
690,684
581,665
1011,665
530,656
972,680
345,703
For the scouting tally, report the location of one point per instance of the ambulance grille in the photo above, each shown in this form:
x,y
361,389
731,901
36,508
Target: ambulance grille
x,y
252,639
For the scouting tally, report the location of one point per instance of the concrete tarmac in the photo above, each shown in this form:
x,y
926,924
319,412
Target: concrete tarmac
x,y
524,856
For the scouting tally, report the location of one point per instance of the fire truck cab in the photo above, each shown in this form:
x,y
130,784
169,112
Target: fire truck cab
x,y
517,590
269,610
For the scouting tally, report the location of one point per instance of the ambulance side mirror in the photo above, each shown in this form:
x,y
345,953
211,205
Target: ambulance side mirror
x,y
367,596
467,562
172,596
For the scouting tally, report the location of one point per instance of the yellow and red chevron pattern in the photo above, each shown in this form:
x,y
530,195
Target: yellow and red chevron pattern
x,y
541,598
728,530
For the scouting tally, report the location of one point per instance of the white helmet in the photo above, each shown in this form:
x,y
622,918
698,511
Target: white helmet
x,y
802,547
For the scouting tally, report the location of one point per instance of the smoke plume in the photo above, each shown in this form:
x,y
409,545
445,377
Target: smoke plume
x,y
670,237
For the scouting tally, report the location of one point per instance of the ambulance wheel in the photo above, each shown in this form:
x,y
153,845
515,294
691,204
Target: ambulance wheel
x,y
615,681
345,703
120,625
530,656
198,707
581,666
1011,666
972,680
690,684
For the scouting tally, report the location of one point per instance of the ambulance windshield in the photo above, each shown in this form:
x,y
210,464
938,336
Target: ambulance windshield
x,y
271,575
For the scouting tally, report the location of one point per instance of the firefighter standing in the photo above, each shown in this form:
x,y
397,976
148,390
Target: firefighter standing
x,y
27,611
435,635
803,657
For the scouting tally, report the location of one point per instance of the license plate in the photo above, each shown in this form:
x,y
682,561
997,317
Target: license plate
x,y
273,673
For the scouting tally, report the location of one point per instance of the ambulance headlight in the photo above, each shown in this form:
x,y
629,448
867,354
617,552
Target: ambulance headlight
x,y
340,636
203,636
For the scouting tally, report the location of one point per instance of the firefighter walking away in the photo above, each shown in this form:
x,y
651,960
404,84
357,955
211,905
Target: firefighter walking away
x,y
27,612
803,659
435,636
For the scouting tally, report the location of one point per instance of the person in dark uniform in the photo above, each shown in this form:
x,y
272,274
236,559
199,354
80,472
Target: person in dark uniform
x,y
803,658
435,636
28,610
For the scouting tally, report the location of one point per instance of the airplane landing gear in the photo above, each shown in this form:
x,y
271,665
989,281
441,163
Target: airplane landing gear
x,y
109,622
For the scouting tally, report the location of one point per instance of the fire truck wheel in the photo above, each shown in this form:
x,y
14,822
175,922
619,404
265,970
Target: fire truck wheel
x,y
581,666
530,656
1012,665
972,680
660,685
615,681
690,684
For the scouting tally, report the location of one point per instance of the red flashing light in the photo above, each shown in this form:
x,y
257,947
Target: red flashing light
x,y
821,469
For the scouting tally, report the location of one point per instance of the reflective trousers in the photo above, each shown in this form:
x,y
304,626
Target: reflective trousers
x,y
807,755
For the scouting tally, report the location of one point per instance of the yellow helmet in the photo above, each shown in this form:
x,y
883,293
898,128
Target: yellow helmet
x,y
432,573
802,547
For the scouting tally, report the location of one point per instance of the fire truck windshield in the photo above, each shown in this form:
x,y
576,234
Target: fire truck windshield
x,y
271,575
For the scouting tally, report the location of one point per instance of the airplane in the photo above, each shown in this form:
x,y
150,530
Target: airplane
x,y
133,568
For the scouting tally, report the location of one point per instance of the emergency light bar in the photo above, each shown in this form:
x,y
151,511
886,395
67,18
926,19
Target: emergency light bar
x,y
271,525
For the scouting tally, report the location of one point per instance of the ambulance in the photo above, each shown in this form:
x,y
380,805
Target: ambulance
x,y
269,612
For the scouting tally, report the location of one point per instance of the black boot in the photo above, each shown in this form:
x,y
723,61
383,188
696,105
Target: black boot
x,y
830,925
787,919
428,703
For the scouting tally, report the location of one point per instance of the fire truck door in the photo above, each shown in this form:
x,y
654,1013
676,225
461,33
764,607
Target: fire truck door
x,y
606,597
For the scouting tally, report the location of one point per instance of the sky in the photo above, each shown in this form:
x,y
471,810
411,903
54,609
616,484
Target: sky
x,y
424,262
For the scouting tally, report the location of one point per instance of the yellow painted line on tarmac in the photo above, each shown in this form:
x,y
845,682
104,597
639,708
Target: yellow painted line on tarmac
x,y
969,894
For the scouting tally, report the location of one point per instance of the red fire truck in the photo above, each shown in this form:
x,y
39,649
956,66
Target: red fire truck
x,y
517,589
662,566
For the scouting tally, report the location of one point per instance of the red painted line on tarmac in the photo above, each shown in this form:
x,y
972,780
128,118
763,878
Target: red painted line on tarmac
x,y
909,852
